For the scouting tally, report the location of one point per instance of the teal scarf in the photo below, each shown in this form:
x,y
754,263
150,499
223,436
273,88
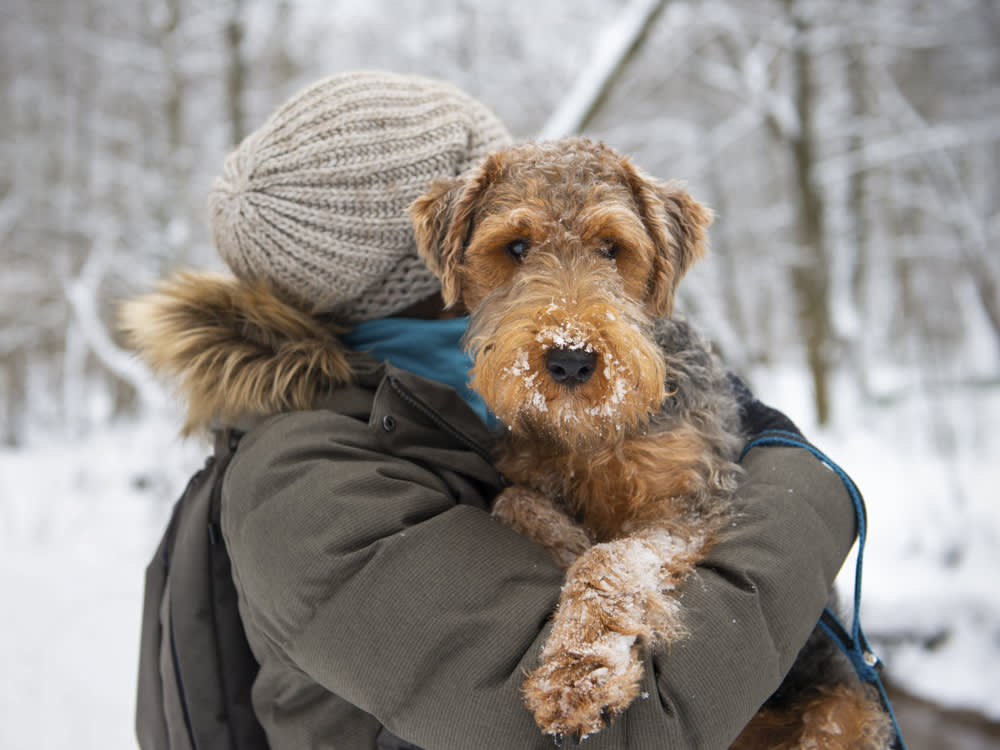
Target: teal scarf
x,y
429,348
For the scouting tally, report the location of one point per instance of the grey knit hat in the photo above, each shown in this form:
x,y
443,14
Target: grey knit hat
x,y
315,200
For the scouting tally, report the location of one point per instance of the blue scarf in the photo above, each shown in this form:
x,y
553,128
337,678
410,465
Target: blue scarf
x,y
429,348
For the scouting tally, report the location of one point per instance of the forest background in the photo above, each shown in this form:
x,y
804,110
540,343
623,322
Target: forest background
x,y
849,149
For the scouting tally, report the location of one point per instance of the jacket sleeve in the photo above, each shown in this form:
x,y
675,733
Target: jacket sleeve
x,y
366,574
755,599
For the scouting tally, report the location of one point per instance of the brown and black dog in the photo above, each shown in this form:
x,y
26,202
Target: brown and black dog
x,y
623,433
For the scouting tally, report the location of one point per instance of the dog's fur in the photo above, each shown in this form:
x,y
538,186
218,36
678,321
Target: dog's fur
x,y
622,431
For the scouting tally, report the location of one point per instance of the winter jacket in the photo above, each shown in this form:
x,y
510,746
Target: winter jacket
x,y
380,597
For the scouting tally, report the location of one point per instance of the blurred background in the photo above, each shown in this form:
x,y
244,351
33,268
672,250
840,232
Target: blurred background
x,y
848,147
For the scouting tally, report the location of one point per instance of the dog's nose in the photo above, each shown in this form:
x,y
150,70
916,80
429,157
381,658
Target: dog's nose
x,y
570,366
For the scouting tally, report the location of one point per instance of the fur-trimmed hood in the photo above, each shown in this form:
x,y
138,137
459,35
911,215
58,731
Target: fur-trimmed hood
x,y
234,348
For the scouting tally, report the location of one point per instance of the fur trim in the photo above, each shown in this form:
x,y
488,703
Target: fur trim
x,y
234,347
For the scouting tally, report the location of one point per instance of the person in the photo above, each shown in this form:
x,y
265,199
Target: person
x,y
386,608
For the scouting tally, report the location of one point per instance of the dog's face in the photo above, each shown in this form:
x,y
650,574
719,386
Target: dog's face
x,y
564,253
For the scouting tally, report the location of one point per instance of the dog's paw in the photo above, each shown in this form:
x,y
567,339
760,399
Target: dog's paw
x,y
532,514
575,693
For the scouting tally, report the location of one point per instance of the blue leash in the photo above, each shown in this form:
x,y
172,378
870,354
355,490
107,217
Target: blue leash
x,y
854,643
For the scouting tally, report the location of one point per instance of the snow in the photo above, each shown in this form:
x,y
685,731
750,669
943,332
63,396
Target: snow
x,y
927,467
80,517
521,368
79,520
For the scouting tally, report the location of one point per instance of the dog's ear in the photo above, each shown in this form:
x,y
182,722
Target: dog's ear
x,y
678,226
433,215
442,222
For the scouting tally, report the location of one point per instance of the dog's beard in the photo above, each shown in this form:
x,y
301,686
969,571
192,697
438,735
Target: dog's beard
x,y
513,330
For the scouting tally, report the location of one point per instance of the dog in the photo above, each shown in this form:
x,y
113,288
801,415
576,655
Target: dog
x,y
622,431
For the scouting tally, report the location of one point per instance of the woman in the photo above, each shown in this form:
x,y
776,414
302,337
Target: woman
x,y
384,604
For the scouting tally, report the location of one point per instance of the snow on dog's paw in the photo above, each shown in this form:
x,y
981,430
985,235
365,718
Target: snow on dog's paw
x,y
576,693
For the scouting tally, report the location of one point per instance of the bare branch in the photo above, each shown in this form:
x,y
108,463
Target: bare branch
x,y
969,224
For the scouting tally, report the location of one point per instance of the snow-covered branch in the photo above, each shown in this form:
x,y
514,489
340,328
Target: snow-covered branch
x,y
82,295
612,53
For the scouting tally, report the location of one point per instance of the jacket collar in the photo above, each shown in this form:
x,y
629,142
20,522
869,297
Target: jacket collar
x,y
235,349
238,353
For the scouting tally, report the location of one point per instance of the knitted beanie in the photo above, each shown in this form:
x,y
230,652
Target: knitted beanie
x,y
315,200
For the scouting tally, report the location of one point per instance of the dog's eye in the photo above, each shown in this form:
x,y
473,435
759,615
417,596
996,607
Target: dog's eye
x,y
517,249
609,249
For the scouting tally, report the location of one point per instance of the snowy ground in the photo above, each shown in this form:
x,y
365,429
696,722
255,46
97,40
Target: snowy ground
x,y
79,519
78,523
929,471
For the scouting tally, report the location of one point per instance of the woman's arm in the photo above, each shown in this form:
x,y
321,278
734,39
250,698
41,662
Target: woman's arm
x,y
756,597
366,573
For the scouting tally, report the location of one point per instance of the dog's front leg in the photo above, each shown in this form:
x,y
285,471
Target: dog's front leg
x,y
534,515
618,596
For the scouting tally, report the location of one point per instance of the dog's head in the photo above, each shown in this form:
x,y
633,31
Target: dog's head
x,y
564,253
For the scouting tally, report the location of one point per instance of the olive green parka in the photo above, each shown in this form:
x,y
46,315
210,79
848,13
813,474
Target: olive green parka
x,y
380,597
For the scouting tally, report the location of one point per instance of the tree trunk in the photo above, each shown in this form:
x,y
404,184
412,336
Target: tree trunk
x,y
236,73
810,274
858,200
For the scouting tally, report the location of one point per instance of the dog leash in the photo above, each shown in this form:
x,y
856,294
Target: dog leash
x,y
853,643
